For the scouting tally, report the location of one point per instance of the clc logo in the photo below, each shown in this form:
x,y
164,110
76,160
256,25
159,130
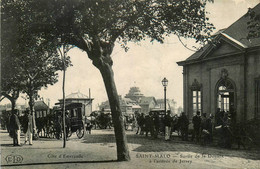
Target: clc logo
x,y
14,159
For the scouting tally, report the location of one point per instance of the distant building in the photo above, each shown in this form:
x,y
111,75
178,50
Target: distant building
x,y
225,75
134,94
78,97
170,105
41,109
127,106
135,101
147,104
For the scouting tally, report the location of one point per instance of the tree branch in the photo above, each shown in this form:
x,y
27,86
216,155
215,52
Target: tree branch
x,y
185,45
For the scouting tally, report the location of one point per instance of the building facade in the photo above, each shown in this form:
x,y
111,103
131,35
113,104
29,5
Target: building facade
x,y
225,75
147,104
41,109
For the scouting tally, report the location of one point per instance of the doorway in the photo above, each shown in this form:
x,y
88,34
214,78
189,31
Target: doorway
x,y
226,95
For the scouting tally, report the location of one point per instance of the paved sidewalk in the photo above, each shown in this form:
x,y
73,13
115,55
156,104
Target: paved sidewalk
x,y
45,151
99,151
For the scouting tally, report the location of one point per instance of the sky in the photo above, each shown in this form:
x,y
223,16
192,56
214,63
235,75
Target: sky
x,y
144,65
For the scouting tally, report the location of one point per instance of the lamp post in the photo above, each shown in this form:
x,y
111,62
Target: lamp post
x,y
164,83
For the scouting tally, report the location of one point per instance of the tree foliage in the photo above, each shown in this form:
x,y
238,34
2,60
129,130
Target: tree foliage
x,y
253,24
95,25
30,61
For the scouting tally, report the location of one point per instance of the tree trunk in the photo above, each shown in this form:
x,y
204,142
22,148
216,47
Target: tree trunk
x,y
31,105
63,98
13,102
99,52
117,117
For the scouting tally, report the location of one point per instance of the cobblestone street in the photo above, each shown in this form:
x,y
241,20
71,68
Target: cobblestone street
x,y
98,150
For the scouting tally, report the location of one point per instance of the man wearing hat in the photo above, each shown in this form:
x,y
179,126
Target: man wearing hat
x,y
15,128
28,128
196,120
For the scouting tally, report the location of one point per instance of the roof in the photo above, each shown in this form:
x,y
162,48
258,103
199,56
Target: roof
x,y
147,100
77,95
127,102
236,33
239,31
162,100
40,105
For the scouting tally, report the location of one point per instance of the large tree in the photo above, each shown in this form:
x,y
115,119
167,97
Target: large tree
x,y
95,26
10,75
30,61
10,83
38,64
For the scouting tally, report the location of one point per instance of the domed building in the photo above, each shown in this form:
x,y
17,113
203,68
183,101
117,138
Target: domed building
x,y
134,94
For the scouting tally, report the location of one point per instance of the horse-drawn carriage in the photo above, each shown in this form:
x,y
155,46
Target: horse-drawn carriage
x,y
74,120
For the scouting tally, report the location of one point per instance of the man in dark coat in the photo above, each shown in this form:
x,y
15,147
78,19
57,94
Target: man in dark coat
x,y
226,134
205,129
138,118
149,124
167,124
142,123
15,128
184,126
196,120
156,121
28,129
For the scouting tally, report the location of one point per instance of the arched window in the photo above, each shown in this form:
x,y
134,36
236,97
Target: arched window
x,y
196,96
225,94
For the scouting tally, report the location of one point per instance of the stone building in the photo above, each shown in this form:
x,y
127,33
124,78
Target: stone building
x,y
225,74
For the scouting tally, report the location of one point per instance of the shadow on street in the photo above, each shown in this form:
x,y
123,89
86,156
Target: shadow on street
x,y
148,144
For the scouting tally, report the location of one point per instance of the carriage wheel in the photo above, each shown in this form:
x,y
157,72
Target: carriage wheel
x,y
80,133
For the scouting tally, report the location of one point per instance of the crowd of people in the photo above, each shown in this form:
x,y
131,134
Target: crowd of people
x,y
201,131
153,124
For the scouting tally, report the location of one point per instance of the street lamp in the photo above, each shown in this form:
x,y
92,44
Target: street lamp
x,y
165,83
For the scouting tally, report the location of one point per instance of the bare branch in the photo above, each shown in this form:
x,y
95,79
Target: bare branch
x,y
185,45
